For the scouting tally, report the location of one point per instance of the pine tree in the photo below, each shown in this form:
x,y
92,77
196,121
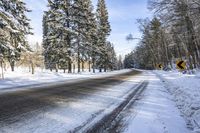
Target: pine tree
x,y
103,32
80,22
15,26
45,41
110,57
52,40
58,39
68,30
92,37
85,26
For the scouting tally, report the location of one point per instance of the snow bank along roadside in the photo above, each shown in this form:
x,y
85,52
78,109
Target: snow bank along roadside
x,y
186,91
154,111
24,80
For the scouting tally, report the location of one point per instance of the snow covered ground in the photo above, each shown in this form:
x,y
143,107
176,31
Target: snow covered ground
x,y
21,78
185,89
154,112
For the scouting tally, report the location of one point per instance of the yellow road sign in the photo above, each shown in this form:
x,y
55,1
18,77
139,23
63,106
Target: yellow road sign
x,y
160,66
181,65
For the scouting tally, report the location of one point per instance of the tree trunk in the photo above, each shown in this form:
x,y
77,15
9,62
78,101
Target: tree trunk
x,y
32,67
74,67
79,62
2,73
56,67
69,66
194,61
68,44
105,69
83,66
89,66
190,63
93,64
29,68
12,64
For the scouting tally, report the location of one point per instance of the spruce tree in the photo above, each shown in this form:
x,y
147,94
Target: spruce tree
x,y
52,39
45,41
71,32
59,36
92,36
15,26
103,32
68,30
80,22
85,26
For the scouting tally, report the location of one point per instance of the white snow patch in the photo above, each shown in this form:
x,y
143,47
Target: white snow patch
x,y
186,90
22,78
155,112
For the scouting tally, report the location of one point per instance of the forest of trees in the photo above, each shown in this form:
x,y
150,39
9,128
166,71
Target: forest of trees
x,y
171,35
73,34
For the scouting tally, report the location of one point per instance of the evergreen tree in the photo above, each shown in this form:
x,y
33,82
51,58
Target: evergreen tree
x,y
14,26
85,25
70,31
81,9
52,40
103,31
92,37
59,32
110,57
45,41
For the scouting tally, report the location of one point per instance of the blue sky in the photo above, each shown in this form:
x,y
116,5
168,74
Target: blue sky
x,y
122,16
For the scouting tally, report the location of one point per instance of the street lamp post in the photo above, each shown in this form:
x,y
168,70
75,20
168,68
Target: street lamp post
x,y
1,63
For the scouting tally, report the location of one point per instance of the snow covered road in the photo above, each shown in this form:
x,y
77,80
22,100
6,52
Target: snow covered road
x,y
65,108
23,79
109,103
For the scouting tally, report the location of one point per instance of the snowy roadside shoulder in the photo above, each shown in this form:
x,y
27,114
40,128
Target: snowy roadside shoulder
x,y
154,111
22,79
186,91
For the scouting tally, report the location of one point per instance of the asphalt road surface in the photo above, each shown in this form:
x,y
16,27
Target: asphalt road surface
x,y
61,108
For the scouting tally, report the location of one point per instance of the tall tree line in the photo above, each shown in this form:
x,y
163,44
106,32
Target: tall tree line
x,y
74,34
173,34
14,26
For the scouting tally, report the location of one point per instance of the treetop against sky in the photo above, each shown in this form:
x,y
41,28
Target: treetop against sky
x,y
122,16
